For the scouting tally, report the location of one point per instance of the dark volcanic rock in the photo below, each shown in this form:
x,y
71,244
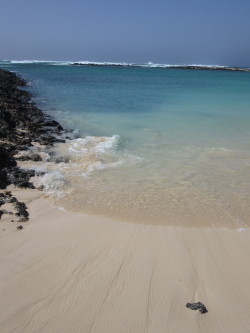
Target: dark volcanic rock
x,y
22,212
19,227
32,157
53,123
197,306
20,178
10,200
6,160
21,122
20,207
4,180
190,67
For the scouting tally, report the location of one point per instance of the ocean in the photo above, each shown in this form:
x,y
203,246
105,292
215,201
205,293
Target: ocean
x,y
150,144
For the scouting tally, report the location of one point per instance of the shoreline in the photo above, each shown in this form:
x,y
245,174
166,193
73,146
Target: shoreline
x,y
22,126
72,272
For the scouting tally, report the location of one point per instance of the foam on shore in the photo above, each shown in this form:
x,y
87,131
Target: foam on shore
x,y
75,158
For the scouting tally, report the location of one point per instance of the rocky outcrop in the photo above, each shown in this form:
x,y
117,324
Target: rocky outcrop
x,y
191,67
19,209
21,124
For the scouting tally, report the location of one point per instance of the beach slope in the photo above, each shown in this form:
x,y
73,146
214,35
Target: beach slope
x,y
68,272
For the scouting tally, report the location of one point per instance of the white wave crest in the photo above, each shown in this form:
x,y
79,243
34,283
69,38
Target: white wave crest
x,y
70,164
30,61
109,63
53,183
92,144
81,156
98,63
47,62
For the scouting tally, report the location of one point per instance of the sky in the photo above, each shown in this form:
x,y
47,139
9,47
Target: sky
x,y
169,32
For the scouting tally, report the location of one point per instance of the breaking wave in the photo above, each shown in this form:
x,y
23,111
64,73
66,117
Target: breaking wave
x,y
62,165
107,63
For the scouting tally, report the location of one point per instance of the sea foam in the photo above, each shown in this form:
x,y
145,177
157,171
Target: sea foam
x,y
65,162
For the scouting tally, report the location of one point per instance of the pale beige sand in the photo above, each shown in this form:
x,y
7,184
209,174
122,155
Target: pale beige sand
x,y
68,272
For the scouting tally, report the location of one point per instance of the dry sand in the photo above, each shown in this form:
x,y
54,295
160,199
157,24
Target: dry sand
x,y
68,272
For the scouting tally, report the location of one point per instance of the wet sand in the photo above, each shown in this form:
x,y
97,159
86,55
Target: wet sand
x,y
69,272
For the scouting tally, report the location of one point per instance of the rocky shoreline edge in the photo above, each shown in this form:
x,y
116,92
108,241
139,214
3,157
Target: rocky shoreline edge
x,y
22,125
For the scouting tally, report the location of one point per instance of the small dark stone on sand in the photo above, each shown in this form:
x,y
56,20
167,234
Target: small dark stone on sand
x,y
197,306
20,227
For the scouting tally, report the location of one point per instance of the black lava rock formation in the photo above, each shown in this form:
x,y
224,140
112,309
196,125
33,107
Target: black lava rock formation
x,y
20,209
21,123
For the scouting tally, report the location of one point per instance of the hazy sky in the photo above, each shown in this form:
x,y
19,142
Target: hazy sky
x,y
170,31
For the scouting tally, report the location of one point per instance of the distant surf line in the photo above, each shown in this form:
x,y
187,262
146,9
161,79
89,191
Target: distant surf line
x,y
136,65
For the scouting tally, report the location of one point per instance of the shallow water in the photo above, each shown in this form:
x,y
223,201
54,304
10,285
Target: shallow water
x,y
157,145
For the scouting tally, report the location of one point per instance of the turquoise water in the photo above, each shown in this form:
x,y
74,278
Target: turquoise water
x,y
158,145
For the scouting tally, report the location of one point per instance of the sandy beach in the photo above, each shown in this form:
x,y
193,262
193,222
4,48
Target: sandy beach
x,y
69,272
125,166
64,271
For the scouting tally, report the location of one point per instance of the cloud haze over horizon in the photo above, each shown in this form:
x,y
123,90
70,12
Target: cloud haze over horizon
x,y
183,32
